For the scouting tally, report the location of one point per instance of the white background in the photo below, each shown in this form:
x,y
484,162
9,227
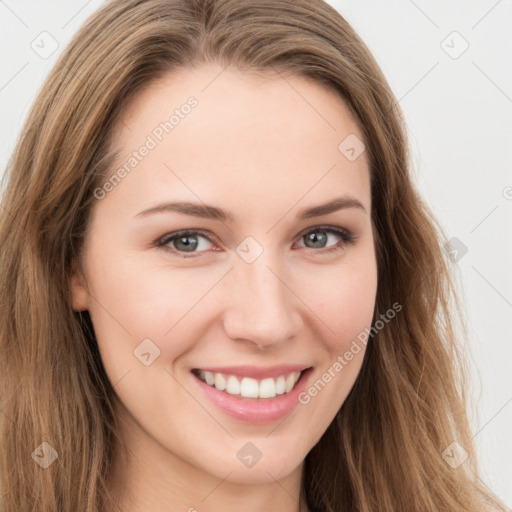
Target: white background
x,y
459,116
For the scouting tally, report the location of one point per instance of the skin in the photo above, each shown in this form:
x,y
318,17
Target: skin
x,y
262,146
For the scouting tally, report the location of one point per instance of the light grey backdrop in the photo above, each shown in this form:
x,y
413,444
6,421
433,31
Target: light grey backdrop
x,y
450,66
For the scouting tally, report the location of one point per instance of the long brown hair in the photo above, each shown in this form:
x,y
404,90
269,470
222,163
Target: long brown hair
x,y
383,451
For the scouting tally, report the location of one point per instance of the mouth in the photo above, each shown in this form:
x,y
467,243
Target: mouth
x,y
250,388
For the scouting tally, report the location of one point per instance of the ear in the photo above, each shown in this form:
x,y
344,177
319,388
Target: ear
x,y
79,290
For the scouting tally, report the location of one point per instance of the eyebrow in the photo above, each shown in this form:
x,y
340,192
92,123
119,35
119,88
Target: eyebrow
x,y
212,212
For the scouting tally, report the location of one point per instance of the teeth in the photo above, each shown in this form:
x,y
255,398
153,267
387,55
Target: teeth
x,y
280,385
220,381
233,385
248,387
289,383
210,379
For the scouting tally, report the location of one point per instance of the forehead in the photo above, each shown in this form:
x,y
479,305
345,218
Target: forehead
x,y
248,137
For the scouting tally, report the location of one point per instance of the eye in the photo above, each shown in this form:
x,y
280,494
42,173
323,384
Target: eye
x,y
319,236
183,241
189,241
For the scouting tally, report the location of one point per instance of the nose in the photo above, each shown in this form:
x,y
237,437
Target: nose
x,y
261,306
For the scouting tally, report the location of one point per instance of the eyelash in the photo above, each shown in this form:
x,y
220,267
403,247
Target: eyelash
x,y
346,237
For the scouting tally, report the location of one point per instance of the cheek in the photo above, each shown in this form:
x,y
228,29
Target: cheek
x,y
136,302
343,303
343,299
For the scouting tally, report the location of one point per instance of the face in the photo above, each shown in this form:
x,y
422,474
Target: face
x,y
253,295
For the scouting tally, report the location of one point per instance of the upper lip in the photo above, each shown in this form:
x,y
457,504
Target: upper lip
x,y
256,372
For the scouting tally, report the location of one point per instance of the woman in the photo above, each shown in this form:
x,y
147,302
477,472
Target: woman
x,y
179,336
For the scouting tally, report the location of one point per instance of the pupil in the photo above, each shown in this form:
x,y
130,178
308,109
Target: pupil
x,y
189,247
314,238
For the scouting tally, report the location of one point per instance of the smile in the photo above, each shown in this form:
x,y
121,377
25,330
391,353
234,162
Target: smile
x,y
249,387
258,398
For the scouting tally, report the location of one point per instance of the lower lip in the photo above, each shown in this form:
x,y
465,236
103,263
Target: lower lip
x,y
255,410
